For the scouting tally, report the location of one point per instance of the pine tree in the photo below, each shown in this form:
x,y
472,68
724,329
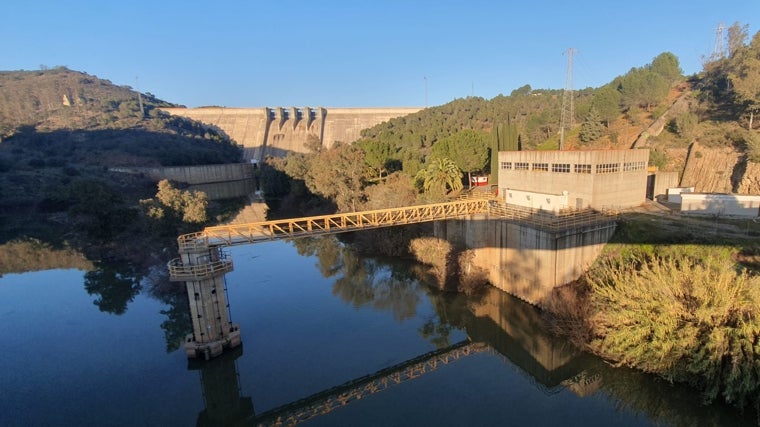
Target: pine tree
x,y
592,128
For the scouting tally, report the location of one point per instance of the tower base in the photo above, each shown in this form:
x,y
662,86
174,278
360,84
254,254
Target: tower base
x,y
207,350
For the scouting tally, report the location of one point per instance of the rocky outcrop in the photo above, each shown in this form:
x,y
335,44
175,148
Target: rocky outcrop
x,y
750,182
720,170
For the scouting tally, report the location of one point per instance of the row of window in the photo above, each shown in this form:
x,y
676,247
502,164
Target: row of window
x,y
577,168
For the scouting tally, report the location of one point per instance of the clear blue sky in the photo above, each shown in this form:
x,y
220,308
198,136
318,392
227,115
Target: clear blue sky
x,y
359,53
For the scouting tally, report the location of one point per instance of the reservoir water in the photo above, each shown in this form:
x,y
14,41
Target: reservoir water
x,y
329,339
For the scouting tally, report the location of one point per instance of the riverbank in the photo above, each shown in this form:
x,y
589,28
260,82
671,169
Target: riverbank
x,y
675,296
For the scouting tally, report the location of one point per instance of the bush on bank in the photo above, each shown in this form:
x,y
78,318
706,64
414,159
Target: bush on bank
x,y
687,313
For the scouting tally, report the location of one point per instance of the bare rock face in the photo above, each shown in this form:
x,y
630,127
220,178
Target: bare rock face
x,y
720,170
710,170
750,183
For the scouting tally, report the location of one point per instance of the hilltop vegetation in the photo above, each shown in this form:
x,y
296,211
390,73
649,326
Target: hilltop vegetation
x,y
61,132
715,108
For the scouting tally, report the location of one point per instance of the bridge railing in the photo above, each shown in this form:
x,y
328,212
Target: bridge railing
x,y
227,235
183,272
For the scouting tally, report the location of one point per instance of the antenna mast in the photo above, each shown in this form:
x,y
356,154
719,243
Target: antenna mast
x,y
568,111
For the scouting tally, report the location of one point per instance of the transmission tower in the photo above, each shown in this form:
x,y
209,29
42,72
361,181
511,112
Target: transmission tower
x,y
719,49
568,111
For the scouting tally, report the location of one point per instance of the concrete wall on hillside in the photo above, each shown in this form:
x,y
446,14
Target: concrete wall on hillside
x,y
275,132
217,181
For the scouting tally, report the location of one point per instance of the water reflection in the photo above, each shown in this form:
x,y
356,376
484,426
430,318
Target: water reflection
x,y
515,331
114,285
383,284
507,329
220,383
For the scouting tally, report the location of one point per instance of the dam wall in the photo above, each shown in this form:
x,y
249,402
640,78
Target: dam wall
x,y
528,260
264,132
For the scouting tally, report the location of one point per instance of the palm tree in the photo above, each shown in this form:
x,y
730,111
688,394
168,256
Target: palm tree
x,y
441,174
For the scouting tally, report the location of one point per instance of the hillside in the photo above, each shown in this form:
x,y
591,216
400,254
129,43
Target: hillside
x,y
61,131
705,119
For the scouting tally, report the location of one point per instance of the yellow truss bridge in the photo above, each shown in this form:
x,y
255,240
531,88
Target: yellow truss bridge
x,y
256,232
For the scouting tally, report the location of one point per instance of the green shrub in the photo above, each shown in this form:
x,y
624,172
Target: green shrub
x,y
688,317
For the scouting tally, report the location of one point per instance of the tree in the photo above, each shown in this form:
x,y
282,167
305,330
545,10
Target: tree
x,y
470,151
377,155
173,205
439,176
504,137
338,173
522,90
685,124
643,87
592,127
737,37
396,190
666,65
606,102
745,77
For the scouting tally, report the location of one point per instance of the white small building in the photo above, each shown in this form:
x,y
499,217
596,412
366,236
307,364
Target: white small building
x,y
729,205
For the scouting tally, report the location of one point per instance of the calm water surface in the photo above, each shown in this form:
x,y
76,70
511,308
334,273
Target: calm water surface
x,y
100,350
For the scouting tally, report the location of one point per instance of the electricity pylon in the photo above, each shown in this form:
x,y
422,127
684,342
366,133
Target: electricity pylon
x,y
568,111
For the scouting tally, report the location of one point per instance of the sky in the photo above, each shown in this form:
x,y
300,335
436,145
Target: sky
x,y
360,53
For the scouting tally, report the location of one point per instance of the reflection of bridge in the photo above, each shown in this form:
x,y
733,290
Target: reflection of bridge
x,y
326,401
225,406
202,264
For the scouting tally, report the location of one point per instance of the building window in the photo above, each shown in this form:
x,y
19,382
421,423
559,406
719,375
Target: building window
x,y
541,167
633,166
582,168
521,166
505,165
561,167
607,167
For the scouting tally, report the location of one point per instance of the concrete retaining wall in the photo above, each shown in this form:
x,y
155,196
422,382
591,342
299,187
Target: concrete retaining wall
x,y
219,182
523,260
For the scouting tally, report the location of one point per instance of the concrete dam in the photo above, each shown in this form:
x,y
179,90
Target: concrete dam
x,y
275,132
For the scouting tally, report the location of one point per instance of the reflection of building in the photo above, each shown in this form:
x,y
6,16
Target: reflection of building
x,y
515,330
555,180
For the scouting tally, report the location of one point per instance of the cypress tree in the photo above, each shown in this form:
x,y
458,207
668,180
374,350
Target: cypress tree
x,y
504,138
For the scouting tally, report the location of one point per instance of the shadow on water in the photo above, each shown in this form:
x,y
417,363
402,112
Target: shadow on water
x,y
495,323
